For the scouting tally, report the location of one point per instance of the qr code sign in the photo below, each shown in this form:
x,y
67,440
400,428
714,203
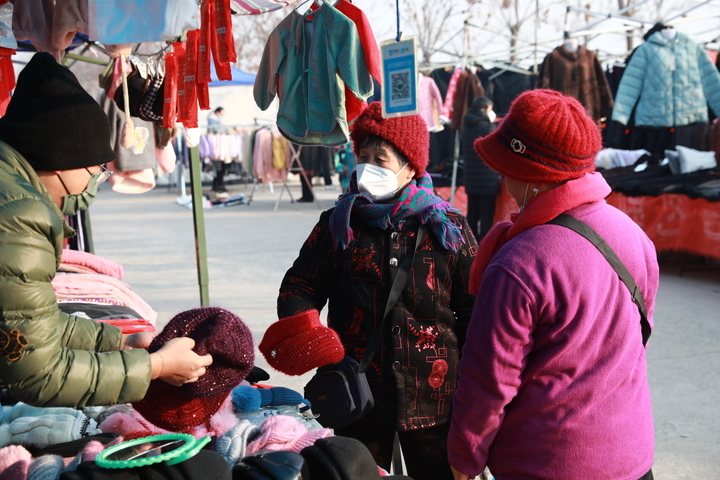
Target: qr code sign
x,y
400,88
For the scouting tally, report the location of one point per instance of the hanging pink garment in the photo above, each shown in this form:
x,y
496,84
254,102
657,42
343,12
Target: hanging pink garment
x,y
447,110
31,21
430,103
71,16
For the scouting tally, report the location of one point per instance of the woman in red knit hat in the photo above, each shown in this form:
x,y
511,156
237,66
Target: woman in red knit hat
x,y
553,378
350,259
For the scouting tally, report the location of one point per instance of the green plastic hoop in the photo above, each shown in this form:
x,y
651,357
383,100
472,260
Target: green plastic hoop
x,y
191,447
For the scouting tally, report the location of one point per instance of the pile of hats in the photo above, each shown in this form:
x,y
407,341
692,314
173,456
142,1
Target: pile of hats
x,y
332,458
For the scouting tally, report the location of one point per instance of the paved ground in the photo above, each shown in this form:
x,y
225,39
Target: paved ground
x,y
250,248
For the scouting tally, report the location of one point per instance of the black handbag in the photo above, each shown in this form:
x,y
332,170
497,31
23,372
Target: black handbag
x,y
339,393
280,465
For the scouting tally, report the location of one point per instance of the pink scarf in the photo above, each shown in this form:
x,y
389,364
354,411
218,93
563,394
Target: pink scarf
x,y
589,188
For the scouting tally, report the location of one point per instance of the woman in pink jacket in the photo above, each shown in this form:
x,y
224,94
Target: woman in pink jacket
x,y
553,375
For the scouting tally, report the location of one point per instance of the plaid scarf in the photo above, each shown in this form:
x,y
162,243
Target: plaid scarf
x,y
417,200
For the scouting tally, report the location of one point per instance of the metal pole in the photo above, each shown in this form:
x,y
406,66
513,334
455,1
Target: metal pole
x,y
456,153
199,224
537,22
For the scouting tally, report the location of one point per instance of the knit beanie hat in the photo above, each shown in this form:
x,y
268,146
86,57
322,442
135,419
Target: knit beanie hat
x,y
233,443
249,399
14,462
342,458
46,467
283,432
53,122
223,335
409,134
297,344
546,137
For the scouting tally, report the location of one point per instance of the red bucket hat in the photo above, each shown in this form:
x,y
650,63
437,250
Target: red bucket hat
x,y
221,334
546,137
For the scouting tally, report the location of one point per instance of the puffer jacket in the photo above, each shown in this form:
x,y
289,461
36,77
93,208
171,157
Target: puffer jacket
x,y
478,178
672,82
414,373
49,358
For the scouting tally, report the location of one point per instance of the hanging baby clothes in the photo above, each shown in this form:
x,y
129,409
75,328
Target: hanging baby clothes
x,y
447,110
133,167
430,102
71,16
371,53
279,151
672,81
301,62
263,157
579,75
32,20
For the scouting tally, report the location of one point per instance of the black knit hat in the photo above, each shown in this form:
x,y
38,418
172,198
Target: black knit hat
x,y
53,122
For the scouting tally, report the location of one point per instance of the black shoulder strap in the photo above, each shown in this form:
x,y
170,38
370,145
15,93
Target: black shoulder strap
x,y
398,284
586,231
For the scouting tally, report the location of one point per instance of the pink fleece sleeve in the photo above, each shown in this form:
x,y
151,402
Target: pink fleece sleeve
x,y
499,339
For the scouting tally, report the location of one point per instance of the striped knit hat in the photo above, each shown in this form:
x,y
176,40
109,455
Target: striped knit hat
x,y
546,137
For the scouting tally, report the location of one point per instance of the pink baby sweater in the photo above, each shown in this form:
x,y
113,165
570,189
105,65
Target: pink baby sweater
x,y
553,376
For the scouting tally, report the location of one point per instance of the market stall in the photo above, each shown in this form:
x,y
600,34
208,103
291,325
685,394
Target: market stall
x,y
230,402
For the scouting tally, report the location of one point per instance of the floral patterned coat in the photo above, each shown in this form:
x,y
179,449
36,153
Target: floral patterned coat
x,y
414,373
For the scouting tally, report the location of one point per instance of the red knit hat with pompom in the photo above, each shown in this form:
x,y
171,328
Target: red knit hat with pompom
x,y
546,137
409,134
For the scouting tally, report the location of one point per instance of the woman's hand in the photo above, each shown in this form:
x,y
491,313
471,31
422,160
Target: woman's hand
x,y
176,363
137,340
460,476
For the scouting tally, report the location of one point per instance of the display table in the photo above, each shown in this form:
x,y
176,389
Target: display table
x,y
674,222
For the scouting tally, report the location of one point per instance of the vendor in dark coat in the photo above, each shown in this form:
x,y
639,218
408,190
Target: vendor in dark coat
x,y
482,184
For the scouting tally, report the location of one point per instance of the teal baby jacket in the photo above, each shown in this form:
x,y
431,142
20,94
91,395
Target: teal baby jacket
x,y
307,61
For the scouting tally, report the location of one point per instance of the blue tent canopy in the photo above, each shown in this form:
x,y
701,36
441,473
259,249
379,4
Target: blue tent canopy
x,y
238,78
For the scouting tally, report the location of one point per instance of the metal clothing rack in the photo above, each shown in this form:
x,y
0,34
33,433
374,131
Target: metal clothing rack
x,y
295,151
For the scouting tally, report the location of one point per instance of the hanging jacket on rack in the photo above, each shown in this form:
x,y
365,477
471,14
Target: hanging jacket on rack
x,y
371,53
672,82
301,63
430,102
468,88
578,75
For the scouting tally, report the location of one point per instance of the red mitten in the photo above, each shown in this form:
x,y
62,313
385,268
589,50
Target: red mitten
x,y
297,344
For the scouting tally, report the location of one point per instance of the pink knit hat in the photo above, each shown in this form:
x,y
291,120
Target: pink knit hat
x,y
14,462
283,432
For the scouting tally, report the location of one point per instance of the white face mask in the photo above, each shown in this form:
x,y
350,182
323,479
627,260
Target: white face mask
x,y
491,115
380,183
